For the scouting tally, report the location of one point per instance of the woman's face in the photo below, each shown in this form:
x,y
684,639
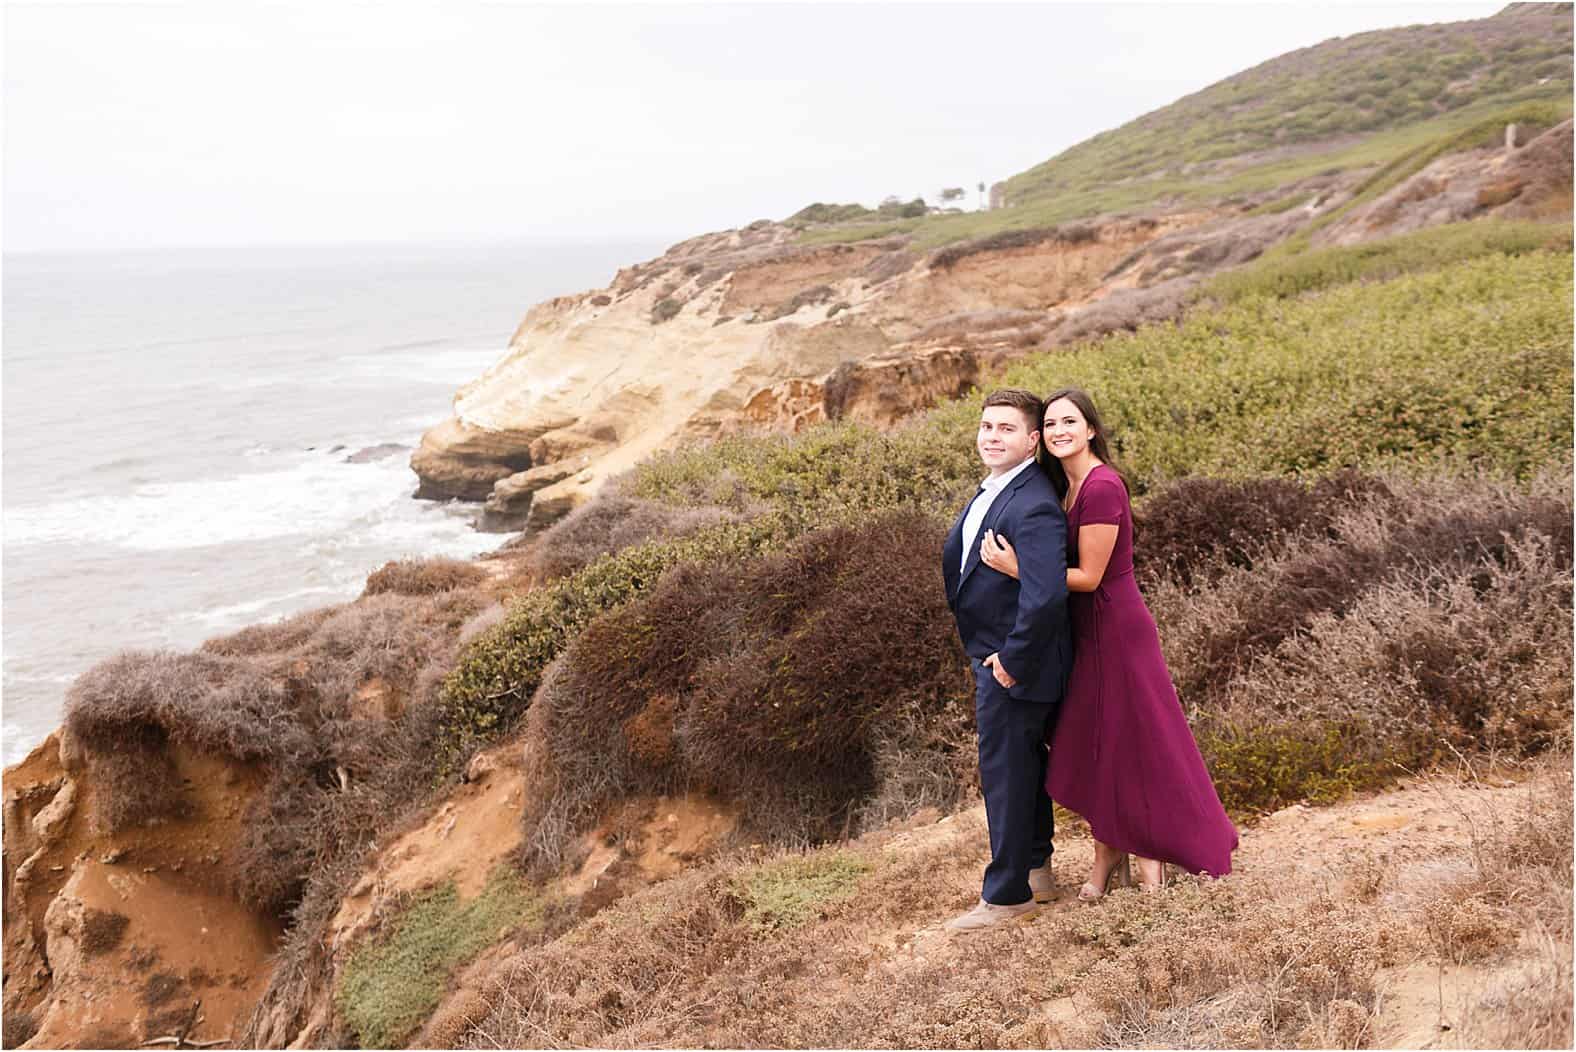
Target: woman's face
x,y
1067,433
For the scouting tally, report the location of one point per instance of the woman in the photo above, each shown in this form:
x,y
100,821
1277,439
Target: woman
x,y
1121,753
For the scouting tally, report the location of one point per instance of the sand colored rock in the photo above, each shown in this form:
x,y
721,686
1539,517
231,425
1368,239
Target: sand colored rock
x,y
108,936
731,331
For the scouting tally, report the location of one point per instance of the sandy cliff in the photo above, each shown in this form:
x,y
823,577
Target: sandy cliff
x,y
746,329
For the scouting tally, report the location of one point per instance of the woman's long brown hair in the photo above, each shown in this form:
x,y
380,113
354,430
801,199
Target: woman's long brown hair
x,y
1102,449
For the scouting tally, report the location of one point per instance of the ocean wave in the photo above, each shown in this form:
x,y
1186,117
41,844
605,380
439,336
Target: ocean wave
x,y
317,496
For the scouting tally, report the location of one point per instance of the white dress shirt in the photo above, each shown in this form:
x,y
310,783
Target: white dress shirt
x,y
981,504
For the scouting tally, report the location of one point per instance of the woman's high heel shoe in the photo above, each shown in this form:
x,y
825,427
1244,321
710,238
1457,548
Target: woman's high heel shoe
x,y
1120,870
1151,875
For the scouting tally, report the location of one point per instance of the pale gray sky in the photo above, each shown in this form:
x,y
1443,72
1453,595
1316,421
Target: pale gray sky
x,y
144,125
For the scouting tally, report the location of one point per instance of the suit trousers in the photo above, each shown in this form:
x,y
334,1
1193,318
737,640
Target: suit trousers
x,y
1012,737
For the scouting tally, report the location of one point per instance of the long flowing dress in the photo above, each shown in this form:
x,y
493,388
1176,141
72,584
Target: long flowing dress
x,y
1121,753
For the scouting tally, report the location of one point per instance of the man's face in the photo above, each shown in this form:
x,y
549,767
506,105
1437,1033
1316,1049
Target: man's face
x,y
1005,439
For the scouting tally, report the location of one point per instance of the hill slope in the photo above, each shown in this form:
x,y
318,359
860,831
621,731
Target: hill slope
x,y
1341,105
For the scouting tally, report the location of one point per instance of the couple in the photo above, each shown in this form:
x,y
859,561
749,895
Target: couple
x,y
1120,752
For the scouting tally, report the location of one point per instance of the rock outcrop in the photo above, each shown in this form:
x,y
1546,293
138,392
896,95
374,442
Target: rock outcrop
x,y
749,329
111,937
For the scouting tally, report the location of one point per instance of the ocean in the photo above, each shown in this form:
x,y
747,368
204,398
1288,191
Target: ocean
x,y
177,428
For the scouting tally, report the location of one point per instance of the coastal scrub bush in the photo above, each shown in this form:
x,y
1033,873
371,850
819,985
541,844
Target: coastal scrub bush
x,y
826,473
423,576
497,673
270,637
1423,250
1067,234
1447,526
763,680
1470,364
664,309
1335,663
125,710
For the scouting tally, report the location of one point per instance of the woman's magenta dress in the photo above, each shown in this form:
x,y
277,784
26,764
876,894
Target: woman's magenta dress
x,y
1121,753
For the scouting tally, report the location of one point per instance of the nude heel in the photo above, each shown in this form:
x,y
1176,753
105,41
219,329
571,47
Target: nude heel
x,y
1124,879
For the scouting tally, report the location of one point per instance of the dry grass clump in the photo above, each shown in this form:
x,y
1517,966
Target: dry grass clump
x,y
423,576
997,323
764,681
1124,310
270,637
606,525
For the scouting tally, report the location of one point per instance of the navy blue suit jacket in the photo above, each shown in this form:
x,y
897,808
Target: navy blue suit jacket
x,y
1024,619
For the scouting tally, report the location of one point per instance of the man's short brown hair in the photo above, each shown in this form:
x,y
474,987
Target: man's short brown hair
x,y
1026,402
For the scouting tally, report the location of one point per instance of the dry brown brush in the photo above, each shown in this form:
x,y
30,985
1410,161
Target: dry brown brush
x,y
775,681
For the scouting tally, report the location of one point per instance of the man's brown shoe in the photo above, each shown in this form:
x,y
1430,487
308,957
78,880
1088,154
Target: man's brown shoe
x,y
1041,883
989,915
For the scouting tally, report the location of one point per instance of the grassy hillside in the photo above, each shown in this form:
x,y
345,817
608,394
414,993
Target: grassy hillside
x,y
1345,104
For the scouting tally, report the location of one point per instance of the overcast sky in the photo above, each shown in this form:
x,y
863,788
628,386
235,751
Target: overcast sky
x,y
143,125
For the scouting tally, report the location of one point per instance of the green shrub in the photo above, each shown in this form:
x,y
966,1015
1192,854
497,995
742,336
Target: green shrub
x,y
834,472
391,985
1424,250
787,893
1471,364
664,309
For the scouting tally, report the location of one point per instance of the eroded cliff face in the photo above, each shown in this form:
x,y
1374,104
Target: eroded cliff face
x,y
747,329
111,938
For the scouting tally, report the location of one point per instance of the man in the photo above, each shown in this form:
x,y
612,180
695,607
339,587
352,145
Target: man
x,y
1016,632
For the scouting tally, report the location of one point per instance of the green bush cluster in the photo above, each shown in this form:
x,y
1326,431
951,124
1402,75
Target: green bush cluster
x,y
792,891
1470,364
391,985
836,472
1424,250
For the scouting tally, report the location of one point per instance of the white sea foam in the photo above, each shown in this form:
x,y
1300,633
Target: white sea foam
x,y
317,495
